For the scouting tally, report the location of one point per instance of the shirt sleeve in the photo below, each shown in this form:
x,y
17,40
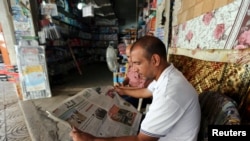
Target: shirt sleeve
x,y
151,86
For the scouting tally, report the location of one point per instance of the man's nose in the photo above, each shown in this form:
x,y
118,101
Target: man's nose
x,y
134,68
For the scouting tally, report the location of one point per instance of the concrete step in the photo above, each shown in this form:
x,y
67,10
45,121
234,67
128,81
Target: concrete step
x,y
40,126
12,121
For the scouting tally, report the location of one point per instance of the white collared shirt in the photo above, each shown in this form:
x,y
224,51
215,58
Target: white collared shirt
x,y
174,114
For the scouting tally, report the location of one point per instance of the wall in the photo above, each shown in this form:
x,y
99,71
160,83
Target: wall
x,y
192,8
8,32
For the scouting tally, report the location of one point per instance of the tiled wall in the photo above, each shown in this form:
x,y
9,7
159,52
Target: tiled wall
x,y
193,8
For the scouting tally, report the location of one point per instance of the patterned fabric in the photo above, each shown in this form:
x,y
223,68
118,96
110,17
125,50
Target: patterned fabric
x,y
216,109
224,28
228,78
135,80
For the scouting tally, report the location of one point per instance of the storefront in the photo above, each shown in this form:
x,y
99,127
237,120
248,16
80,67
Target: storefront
x,y
66,37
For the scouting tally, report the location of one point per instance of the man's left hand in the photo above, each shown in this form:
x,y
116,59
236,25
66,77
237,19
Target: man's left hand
x,y
80,136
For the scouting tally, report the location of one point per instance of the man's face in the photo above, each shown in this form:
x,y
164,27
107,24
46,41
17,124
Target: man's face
x,y
140,64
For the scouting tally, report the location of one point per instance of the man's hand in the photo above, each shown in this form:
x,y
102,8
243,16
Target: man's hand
x,y
119,90
80,136
119,84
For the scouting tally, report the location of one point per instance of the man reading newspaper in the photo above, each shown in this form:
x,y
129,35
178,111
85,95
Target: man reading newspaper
x,y
174,114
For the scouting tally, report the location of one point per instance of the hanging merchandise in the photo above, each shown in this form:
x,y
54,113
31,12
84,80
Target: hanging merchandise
x,y
152,24
50,32
153,4
53,32
60,3
32,70
49,9
22,21
41,35
88,11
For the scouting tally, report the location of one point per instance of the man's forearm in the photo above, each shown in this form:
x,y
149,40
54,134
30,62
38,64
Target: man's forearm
x,y
137,92
139,137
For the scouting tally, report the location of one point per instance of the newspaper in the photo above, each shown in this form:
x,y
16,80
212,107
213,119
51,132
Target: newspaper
x,y
99,111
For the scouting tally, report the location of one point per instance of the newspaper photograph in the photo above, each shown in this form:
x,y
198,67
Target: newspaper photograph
x,y
99,111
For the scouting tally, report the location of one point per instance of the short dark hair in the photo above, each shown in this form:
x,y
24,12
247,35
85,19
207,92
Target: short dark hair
x,y
151,45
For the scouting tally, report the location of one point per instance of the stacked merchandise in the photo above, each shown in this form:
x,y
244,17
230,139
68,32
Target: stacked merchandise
x,y
32,70
30,56
119,76
8,72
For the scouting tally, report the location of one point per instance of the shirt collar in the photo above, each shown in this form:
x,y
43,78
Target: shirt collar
x,y
164,74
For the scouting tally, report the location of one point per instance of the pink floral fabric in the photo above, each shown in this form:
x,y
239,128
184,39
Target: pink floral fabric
x,y
189,35
227,27
244,38
207,18
219,31
135,80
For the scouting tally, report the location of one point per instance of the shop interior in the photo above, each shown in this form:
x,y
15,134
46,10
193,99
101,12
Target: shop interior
x,y
76,41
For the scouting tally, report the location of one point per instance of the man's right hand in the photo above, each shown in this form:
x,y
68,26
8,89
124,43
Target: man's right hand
x,y
119,90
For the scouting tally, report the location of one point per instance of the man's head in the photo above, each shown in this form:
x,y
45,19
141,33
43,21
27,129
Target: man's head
x,y
148,56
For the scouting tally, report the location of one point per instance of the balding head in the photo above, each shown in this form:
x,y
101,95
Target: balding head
x,y
151,45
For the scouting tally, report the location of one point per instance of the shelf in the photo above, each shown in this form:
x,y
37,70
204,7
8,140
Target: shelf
x,y
77,32
70,17
103,37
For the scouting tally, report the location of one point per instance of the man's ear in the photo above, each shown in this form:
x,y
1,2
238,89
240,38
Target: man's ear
x,y
156,59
